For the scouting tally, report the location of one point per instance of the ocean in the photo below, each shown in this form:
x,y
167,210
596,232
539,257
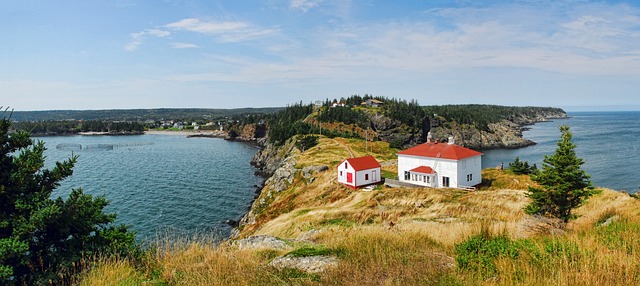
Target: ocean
x,y
609,143
163,184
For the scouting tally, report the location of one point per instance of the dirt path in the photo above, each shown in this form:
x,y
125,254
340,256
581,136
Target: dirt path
x,y
345,147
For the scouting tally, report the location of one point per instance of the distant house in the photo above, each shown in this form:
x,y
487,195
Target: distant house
x,y
178,125
359,172
338,104
440,165
373,103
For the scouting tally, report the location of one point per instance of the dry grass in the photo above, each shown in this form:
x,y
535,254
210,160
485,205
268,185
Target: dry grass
x,y
112,271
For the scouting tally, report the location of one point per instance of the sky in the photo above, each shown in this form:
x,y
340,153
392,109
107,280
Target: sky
x,y
124,54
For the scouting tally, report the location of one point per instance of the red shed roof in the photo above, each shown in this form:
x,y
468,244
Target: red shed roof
x,y
446,151
423,170
363,163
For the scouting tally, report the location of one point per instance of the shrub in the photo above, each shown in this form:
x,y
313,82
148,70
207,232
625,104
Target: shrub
x,y
522,167
479,252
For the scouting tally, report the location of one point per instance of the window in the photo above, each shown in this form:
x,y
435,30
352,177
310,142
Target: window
x,y
346,166
469,177
366,177
428,179
340,173
407,175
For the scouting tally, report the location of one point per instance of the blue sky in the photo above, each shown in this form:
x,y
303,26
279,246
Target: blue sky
x,y
228,54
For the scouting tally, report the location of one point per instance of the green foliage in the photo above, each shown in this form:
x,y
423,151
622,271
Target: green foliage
x,y
346,115
309,251
397,143
619,235
306,141
564,185
480,115
479,252
184,114
522,167
288,123
315,250
41,237
73,127
409,113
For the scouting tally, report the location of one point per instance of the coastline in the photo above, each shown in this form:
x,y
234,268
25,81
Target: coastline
x,y
212,134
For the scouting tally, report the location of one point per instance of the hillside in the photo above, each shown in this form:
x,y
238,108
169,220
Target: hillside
x,y
306,229
404,124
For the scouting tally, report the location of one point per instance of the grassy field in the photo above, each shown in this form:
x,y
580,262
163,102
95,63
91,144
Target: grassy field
x,y
400,236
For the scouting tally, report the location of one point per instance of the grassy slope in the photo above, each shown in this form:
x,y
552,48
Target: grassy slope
x,y
420,246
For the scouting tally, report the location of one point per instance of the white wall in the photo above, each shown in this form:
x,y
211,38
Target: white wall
x,y
358,177
342,173
457,171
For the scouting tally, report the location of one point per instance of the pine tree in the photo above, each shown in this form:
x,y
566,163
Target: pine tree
x,y
564,186
41,237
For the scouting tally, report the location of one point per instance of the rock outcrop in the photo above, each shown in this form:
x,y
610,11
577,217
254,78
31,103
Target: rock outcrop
x,y
260,242
309,264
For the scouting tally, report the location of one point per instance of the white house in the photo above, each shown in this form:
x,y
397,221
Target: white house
x,y
359,172
440,165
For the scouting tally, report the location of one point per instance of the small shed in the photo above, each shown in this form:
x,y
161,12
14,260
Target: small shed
x,y
359,172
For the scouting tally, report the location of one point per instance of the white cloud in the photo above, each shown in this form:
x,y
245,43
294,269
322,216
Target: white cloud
x,y
138,38
183,46
199,26
304,5
225,32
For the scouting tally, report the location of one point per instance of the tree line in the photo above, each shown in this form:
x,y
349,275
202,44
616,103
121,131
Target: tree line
x,y
481,115
73,127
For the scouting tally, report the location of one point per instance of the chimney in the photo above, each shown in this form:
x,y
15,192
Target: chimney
x,y
429,137
451,142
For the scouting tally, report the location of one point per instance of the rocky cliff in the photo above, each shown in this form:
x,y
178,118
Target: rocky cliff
x,y
506,133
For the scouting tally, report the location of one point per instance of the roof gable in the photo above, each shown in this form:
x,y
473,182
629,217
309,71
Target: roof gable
x,y
423,170
440,150
363,163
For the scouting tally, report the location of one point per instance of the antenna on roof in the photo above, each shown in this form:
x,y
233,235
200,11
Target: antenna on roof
x,y
451,142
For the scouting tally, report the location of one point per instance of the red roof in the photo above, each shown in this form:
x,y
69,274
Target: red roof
x,y
441,150
363,163
423,170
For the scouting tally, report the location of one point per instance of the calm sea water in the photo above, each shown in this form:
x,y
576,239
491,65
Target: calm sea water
x,y
609,143
162,184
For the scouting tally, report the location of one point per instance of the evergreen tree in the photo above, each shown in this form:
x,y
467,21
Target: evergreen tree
x,y
522,167
564,186
42,238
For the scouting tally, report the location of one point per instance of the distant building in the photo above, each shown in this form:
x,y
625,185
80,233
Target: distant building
x,y
178,125
440,165
373,102
338,104
359,172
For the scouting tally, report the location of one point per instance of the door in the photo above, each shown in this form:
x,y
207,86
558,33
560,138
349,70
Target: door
x,y
374,175
350,178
